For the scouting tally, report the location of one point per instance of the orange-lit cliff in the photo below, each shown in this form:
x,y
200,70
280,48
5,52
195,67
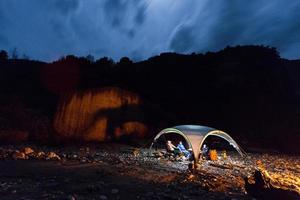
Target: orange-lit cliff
x,y
99,115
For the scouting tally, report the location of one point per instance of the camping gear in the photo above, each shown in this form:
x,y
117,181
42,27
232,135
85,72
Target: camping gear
x,y
213,155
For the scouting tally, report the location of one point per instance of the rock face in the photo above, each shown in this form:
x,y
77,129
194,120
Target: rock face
x,y
99,115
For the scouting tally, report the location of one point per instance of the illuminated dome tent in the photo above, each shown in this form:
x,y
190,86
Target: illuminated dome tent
x,y
196,135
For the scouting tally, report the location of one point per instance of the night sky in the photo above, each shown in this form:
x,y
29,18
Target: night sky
x,y
49,29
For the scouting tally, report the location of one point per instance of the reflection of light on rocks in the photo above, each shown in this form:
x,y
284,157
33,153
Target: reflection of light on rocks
x,y
117,160
286,180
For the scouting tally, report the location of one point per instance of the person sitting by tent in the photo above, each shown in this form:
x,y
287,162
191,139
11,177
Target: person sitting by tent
x,y
183,150
205,151
172,148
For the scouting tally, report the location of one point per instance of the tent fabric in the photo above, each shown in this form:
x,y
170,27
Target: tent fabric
x,y
195,136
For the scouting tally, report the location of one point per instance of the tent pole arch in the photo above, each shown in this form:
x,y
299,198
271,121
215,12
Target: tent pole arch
x,y
173,130
170,130
220,134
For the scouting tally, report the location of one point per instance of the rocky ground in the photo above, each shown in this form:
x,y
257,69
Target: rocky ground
x,y
114,171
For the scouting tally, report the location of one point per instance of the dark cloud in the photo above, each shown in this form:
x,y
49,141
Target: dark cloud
x,y
3,41
183,40
58,29
131,33
274,23
115,11
2,19
66,6
230,24
118,12
140,15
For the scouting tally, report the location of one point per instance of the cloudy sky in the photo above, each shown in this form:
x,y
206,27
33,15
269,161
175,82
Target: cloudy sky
x,y
48,29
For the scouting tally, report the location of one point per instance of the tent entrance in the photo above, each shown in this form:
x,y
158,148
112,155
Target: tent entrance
x,y
218,143
175,138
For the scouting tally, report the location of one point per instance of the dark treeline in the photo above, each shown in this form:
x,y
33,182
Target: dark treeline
x,y
248,91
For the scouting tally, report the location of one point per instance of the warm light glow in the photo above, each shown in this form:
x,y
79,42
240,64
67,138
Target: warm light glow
x,y
98,115
286,181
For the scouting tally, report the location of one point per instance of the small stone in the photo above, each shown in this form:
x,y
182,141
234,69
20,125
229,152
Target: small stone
x,y
83,160
191,177
136,152
158,155
28,150
149,194
114,191
40,155
71,197
103,197
52,156
19,156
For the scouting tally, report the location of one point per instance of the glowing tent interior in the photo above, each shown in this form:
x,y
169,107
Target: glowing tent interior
x,y
196,135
